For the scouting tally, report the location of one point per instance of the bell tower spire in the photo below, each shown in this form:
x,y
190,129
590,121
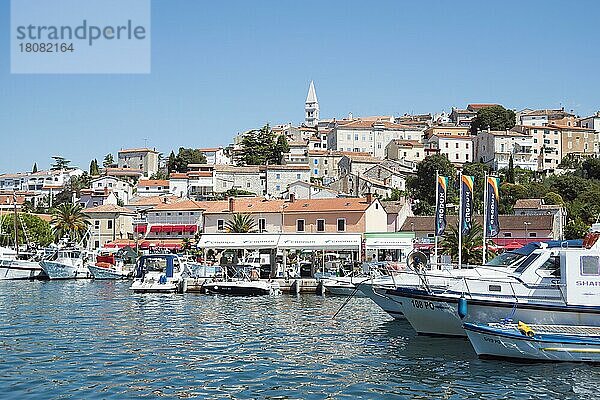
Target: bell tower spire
x,y
311,107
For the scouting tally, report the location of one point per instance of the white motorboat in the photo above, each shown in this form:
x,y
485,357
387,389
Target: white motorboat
x,y
396,275
551,286
160,273
244,282
244,288
535,342
67,263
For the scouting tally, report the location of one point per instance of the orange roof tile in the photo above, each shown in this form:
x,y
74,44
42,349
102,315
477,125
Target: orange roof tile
x,y
154,182
324,205
183,205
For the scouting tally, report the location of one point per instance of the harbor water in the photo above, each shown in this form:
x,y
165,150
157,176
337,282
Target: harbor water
x,y
97,340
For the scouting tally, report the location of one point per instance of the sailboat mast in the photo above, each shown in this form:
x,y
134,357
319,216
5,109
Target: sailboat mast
x,y
15,225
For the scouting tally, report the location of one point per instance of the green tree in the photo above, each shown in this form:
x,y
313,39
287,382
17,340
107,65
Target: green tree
x,y
509,194
591,168
552,198
568,186
171,162
185,157
495,118
422,186
108,161
472,245
69,220
510,172
241,223
576,229
260,147
38,231
35,168
60,163
94,170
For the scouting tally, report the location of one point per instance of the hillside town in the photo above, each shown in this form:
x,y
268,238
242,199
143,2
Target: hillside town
x,y
350,174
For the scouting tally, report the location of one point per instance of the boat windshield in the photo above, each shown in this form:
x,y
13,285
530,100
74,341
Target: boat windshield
x,y
527,262
505,259
155,264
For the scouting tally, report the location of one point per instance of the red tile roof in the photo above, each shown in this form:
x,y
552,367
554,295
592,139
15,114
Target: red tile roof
x,y
154,182
324,205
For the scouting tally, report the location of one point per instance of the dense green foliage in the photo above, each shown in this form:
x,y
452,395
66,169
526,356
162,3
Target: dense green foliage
x,y
94,169
108,161
262,146
69,220
60,163
38,231
578,191
180,162
495,118
422,187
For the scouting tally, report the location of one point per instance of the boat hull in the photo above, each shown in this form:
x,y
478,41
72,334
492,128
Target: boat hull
x,y
57,270
21,270
108,273
241,288
489,342
438,315
377,294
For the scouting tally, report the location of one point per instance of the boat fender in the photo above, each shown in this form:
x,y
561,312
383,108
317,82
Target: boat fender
x,y
162,280
525,329
462,307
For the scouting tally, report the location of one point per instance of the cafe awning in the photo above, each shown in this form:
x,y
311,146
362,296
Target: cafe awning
x,y
238,241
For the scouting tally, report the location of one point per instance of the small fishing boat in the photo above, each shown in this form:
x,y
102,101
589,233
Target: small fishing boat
x,y
111,264
67,263
535,342
20,266
160,273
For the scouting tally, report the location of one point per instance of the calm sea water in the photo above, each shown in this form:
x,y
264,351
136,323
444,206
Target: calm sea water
x,y
97,340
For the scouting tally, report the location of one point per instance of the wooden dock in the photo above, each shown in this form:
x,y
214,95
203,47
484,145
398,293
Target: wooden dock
x,y
291,286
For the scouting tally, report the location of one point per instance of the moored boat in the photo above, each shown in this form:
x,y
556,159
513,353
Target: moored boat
x,y
244,288
551,286
535,342
110,264
160,273
67,263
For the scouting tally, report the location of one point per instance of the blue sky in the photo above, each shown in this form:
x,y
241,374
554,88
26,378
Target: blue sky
x,y
219,68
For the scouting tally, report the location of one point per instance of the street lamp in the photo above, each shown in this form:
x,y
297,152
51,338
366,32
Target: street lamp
x,y
526,225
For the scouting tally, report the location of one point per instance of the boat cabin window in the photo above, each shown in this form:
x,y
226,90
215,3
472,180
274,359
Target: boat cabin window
x,y
590,265
527,262
552,265
155,264
505,259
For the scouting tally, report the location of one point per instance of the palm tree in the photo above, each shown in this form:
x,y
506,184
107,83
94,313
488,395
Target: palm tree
x,y
69,220
472,245
241,223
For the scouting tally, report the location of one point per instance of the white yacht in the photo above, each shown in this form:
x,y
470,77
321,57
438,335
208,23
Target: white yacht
x,y
540,290
67,263
380,289
160,273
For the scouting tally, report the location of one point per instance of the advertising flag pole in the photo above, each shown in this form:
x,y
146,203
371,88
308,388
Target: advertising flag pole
x,y
485,211
437,204
460,221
